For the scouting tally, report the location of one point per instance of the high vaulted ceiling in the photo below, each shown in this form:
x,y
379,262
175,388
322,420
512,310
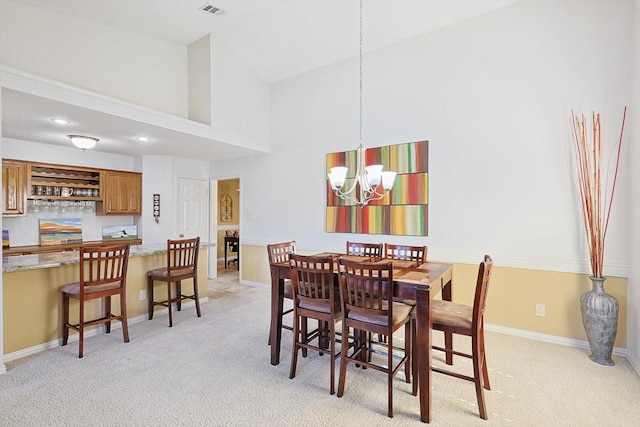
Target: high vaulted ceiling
x,y
277,38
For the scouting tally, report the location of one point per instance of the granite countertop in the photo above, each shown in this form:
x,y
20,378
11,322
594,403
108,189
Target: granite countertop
x,y
57,259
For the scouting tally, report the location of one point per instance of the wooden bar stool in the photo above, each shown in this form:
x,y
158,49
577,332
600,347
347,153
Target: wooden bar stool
x,y
182,264
103,274
366,295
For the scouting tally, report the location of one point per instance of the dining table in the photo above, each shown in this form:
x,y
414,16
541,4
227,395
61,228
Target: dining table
x,y
412,280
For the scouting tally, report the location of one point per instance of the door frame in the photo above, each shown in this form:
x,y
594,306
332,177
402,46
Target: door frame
x,y
213,224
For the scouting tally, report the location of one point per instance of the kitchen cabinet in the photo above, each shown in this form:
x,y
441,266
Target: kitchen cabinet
x,y
58,182
14,185
122,193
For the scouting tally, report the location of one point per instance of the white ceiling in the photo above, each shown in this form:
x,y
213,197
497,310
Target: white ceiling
x,y
277,38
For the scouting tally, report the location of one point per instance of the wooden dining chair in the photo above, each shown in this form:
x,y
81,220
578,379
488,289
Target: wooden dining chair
x,y
182,264
467,320
405,252
366,295
280,253
315,296
103,274
372,250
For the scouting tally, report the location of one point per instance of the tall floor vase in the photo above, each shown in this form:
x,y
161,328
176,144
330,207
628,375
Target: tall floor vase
x,y
600,320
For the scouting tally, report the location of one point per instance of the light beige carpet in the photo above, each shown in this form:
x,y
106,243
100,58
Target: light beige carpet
x,y
215,371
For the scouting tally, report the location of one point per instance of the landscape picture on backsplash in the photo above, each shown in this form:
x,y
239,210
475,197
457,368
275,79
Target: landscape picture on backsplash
x,y
60,231
120,232
5,239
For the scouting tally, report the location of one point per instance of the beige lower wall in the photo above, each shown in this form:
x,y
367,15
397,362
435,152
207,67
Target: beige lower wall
x,y
512,299
33,303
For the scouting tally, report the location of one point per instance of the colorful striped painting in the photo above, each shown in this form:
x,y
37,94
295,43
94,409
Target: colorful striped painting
x,y
404,211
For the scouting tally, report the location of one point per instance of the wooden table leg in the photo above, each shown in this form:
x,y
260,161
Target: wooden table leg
x,y
277,299
225,253
423,322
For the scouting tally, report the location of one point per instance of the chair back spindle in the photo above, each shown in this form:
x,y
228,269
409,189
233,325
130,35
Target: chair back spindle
x,y
372,250
406,252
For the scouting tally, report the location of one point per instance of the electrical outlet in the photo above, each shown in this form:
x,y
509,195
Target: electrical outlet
x,y
143,295
541,310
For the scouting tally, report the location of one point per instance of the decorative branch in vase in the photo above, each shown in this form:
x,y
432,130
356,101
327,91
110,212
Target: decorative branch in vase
x,y
599,309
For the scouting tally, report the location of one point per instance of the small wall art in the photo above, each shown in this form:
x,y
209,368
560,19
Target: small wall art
x,y
60,231
119,232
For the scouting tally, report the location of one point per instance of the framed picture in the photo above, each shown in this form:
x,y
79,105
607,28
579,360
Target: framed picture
x,y
60,231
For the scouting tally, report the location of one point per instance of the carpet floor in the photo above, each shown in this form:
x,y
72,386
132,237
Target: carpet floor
x,y
215,371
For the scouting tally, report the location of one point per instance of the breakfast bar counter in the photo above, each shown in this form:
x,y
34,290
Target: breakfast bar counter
x,y
32,302
57,259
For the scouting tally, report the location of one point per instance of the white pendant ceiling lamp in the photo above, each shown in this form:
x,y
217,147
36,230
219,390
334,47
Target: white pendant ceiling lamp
x,y
83,142
367,178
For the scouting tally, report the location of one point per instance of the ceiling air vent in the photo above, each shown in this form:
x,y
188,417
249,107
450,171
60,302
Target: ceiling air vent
x,y
209,8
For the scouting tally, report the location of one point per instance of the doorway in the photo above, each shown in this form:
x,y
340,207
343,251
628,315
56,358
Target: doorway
x,y
227,223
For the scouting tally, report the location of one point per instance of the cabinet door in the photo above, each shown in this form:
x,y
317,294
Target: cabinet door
x,y
123,193
14,181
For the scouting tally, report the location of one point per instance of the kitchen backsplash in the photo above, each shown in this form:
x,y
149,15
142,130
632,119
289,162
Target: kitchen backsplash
x,y
25,230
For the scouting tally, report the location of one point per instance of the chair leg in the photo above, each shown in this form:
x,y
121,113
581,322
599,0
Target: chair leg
x,y
448,344
107,313
305,333
483,359
343,360
150,296
81,331
332,351
478,378
195,294
407,349
65,319
296,336
414,357
179,295
390,376
169,304
123,314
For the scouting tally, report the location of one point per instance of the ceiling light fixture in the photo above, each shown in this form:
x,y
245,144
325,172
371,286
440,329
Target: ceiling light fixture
x,y
83,142
367,178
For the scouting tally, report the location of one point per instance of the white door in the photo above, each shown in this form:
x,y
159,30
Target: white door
x,y
193,208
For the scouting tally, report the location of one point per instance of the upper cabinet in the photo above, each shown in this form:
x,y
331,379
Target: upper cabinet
x,y
122,193
117,192
57,182
14,185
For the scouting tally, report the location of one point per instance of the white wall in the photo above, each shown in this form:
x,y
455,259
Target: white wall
x,y
92,56
493,96
633,325
200,80
240,100
157,179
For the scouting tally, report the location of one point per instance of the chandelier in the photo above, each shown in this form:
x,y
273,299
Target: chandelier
x,y
366,185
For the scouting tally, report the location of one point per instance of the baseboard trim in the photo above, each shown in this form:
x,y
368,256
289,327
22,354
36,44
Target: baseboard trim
x,y
536,336
9,357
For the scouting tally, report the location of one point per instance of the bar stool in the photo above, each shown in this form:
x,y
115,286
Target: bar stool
x,y
103,274
182,264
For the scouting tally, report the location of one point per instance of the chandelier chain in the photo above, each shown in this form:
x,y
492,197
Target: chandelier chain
x,y
361,71
369,182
